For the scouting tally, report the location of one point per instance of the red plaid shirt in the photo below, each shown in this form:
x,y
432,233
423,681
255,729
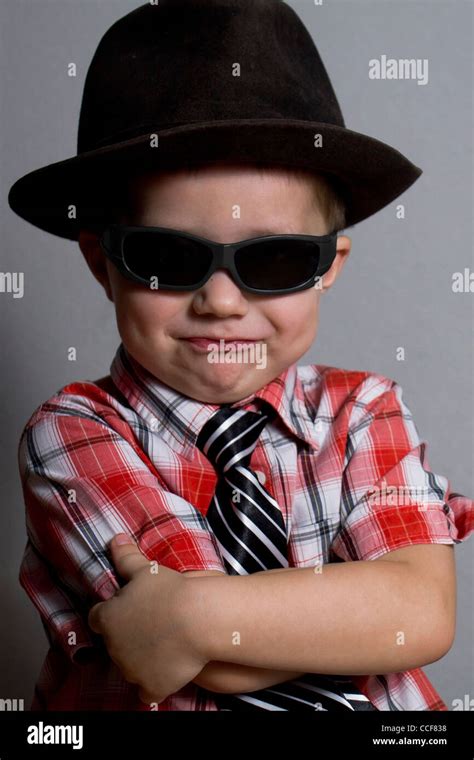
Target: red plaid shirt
x,y
119,454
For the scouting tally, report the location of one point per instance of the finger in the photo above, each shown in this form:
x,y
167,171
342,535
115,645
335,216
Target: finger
x,y
95,617
126,556
148,698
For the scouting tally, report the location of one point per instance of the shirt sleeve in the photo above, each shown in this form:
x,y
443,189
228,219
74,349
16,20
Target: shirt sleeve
x,y
84,479
390,498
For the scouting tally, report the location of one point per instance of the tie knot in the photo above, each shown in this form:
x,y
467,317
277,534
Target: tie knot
x,y
229,437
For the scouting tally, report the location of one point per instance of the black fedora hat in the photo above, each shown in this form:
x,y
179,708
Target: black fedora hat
x,y
199,81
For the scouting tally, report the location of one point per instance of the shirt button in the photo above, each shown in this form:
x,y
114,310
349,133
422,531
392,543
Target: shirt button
x,y
260,477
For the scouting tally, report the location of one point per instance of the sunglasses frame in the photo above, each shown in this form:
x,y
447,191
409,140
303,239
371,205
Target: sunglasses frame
x,y
114,235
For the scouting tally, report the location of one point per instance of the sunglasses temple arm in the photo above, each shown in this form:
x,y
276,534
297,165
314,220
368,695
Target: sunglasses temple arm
x,y
108,251
328,254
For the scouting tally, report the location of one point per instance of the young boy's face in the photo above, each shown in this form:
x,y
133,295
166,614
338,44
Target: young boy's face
x,y
155,325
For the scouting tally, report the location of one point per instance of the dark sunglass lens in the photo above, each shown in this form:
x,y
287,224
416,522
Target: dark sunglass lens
x,y
172,259
277,264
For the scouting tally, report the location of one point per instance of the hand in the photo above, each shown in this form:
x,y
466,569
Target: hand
x,y
145,628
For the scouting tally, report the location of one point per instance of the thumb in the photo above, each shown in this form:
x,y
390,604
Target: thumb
x,y
126,556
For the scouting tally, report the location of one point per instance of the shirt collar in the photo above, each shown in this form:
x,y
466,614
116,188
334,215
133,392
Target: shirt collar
x,y
179,419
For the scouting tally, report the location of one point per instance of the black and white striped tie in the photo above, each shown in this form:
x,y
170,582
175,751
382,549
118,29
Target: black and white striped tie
x,y
250,531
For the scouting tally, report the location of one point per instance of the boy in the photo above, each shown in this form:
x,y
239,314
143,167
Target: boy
x,y
368,585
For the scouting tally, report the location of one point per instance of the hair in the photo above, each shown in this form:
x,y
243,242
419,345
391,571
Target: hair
x,y
328,193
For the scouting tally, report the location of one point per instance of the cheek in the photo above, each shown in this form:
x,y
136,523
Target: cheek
x,y
297,315
144,311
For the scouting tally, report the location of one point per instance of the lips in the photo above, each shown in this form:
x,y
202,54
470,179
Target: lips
x,y
210,339
204,343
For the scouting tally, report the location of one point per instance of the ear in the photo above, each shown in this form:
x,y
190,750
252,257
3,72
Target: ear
x,y
96,260
342,252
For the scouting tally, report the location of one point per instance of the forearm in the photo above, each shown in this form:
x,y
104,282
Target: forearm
x,y
232,678
229,678
351,618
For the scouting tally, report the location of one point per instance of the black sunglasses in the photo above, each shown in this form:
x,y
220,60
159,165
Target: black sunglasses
x,y
176,260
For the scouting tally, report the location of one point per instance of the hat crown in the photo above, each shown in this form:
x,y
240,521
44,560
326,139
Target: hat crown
x,y
217,81
185,61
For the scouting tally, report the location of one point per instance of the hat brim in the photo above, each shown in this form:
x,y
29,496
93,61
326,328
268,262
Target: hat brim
x,y
64,197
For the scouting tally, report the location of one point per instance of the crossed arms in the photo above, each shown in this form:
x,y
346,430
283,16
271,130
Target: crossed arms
x,y
365,617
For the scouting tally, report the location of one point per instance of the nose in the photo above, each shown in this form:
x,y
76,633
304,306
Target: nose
x,y
220,296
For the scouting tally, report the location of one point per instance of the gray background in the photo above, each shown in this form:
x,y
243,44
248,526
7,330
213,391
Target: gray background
x,y
395,289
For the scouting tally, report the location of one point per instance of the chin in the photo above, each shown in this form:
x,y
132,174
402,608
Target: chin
x,y
225,387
